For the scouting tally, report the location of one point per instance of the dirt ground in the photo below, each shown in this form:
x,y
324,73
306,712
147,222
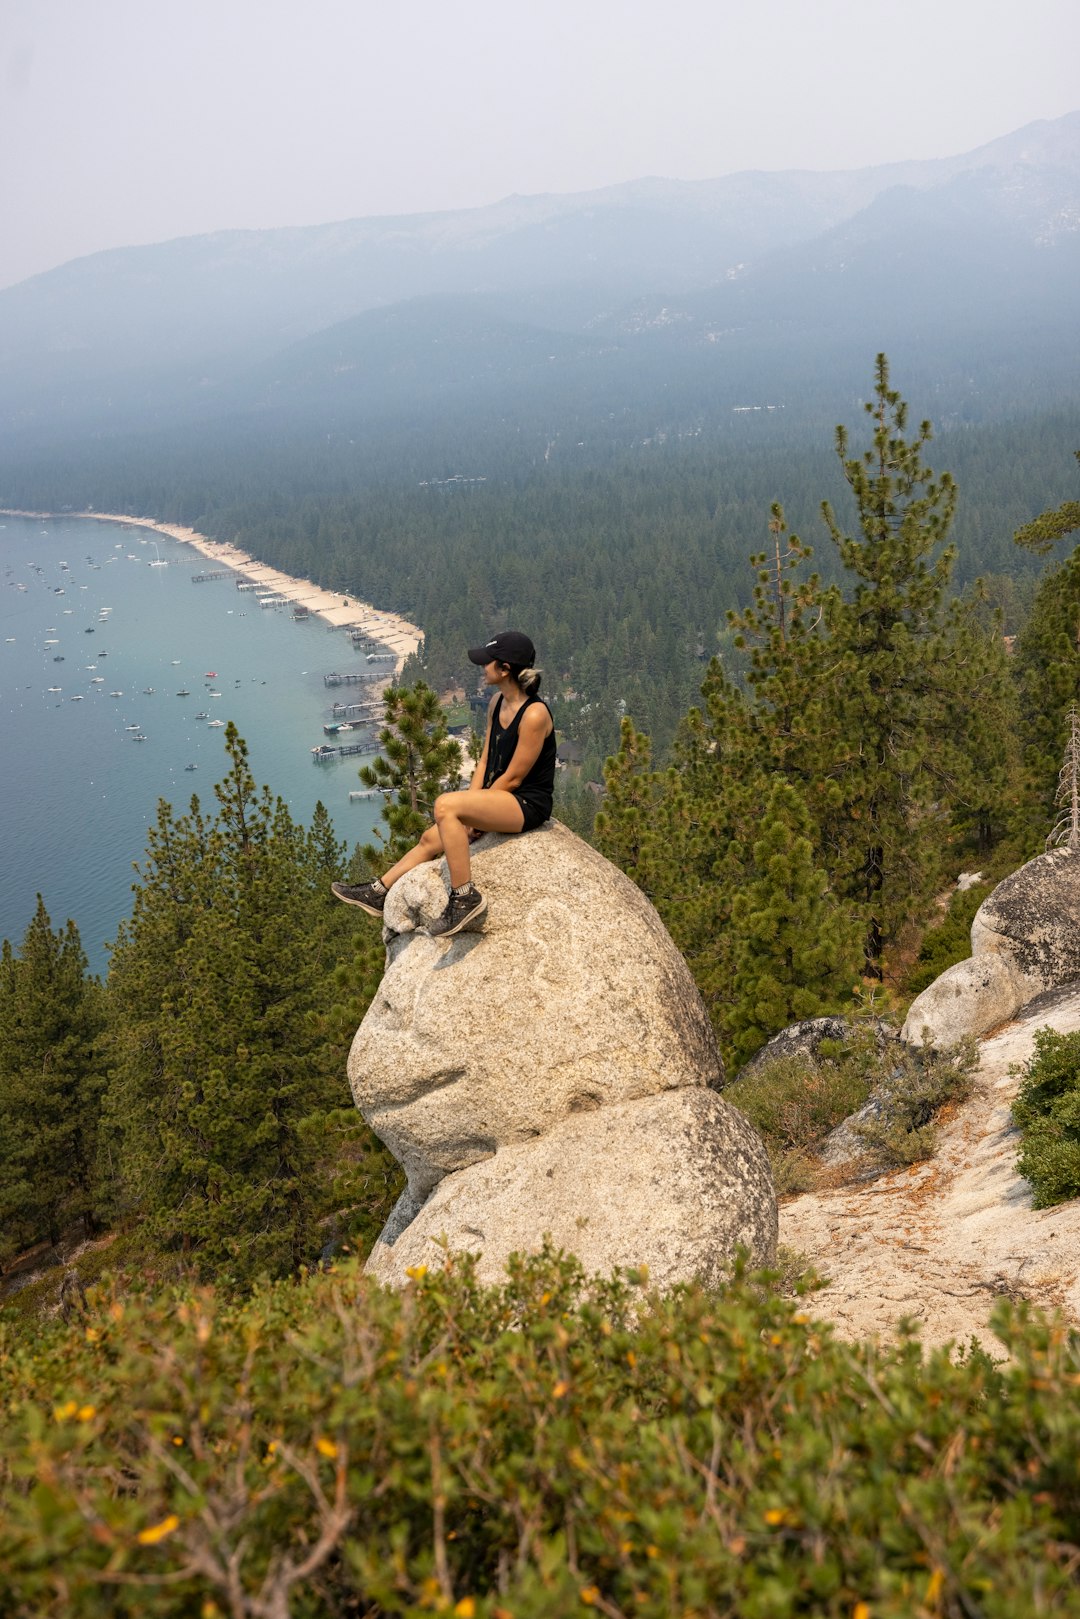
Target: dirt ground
x,y
938,1242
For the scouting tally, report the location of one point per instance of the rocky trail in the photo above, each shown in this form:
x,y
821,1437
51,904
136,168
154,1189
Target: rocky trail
x,y
938,1242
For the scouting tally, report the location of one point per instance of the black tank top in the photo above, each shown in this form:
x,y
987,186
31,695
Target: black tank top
x,y
539,785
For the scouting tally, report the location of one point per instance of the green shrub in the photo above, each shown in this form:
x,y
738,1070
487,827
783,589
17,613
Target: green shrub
x,y
794,1102
538,1449
917,1085
1047,1111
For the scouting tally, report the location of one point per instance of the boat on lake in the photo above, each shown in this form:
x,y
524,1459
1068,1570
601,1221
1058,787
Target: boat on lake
x,y
183,692
203,716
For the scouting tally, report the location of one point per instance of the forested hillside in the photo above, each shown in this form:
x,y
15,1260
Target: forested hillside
x,y
622,561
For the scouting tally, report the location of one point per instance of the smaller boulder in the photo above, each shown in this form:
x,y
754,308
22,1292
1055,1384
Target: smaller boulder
x,y
1025,939
806,1039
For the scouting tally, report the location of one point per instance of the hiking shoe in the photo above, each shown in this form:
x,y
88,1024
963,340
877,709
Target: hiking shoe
x,y
461,909
365,895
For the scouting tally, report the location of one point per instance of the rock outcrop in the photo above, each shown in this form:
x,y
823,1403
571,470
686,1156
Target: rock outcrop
x,y
1025,940
555,1073
806,1038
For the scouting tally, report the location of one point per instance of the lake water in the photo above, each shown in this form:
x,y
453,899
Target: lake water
x,y
78,791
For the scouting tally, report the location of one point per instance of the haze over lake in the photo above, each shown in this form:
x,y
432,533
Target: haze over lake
x,y
80,792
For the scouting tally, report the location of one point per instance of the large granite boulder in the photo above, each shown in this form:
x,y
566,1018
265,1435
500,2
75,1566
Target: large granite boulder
x,y
554,1073
573,997
1025,939
677,1181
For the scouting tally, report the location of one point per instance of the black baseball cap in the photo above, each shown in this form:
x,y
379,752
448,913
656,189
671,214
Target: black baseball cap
x,y
509,646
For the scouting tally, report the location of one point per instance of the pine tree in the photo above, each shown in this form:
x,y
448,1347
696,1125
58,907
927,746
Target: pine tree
x,y
227,1077
418,760
781,631
1048,660
797,950
912,707
51,1020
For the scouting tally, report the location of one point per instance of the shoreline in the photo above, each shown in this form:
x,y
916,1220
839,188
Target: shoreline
x,y
340,612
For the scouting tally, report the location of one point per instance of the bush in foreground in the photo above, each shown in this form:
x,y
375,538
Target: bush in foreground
x,y
549,1447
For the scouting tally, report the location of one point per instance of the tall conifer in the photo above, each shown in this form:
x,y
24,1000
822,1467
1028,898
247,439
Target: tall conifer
x,y
797,950
912,710
50,1086
226,1079
1048,661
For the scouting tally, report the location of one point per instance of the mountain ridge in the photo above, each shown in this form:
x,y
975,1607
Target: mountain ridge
x,y
189,328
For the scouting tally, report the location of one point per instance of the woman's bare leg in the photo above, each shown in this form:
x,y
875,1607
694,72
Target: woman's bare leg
x,y
430,847
484,809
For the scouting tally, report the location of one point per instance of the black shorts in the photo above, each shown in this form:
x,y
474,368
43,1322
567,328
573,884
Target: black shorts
x,y
535,812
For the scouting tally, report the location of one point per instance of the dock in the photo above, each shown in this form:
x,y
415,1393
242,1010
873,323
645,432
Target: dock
x,y
215,573
323,754
349,680
357,711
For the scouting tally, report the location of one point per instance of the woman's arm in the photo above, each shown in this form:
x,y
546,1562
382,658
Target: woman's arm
x,y
481,763
534,726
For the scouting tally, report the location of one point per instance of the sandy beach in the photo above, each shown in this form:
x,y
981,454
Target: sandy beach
x,y
391,631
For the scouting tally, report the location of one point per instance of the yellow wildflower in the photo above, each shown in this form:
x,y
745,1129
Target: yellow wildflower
x,y
158,1531
326,1447
465,1608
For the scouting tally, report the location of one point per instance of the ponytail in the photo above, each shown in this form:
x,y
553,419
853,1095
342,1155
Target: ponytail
x,y
528,680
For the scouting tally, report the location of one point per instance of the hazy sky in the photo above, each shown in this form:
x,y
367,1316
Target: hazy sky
x,y
138,120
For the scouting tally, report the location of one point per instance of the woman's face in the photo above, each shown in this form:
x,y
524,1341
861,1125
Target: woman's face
x,y
494,672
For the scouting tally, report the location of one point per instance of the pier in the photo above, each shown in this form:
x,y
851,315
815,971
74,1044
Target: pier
x,y
356,711
322,755
348,680
215,573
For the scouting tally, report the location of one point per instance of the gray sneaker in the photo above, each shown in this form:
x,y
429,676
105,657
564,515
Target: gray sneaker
x,y
461,910
364,895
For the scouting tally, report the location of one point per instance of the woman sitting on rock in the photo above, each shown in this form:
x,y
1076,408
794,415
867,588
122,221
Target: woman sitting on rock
x,y
511,788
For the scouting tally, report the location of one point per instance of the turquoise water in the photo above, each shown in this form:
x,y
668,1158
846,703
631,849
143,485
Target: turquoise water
x,y
78,791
